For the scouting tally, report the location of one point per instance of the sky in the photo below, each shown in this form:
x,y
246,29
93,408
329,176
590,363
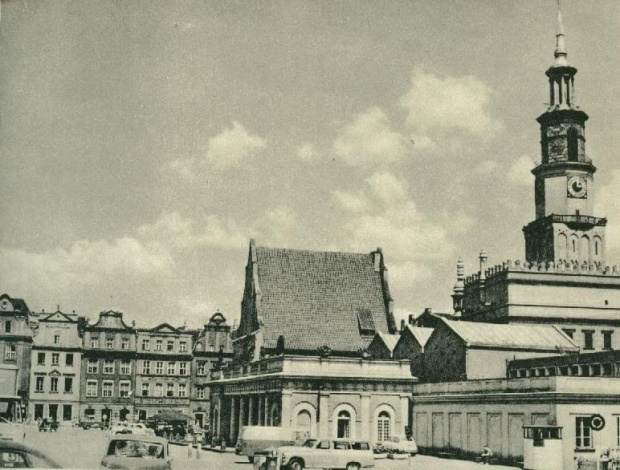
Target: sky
x,y
143,143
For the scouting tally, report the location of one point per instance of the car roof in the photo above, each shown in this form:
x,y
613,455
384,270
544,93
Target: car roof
x,y
6,445
139,437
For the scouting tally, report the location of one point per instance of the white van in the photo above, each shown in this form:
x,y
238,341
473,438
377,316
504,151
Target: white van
x,y
256,438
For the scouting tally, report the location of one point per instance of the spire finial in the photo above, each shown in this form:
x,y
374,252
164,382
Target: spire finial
x,y
560,44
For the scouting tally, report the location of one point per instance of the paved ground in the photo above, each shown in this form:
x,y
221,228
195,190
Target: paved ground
x,y
76,448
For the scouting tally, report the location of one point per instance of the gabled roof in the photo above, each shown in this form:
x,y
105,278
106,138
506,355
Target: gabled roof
x,y
111,320
317,298
515,336
389,340
19,305
420,333
165,328
59,316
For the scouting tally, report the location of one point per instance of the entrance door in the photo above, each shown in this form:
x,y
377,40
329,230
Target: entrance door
x,y
123,414
106,416
38,411
54,412
67,412
141,415
199,417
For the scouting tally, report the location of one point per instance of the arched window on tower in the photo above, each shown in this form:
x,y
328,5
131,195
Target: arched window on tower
x,y
573,145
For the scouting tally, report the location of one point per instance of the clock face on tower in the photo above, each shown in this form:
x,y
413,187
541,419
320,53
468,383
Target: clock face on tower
x,y
577,187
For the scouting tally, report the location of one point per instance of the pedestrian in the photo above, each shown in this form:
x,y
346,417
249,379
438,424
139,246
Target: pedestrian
x,y
486,454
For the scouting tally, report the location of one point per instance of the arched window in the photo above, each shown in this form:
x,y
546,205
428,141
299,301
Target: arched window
x,y
573,145
384,427
344,424
304,421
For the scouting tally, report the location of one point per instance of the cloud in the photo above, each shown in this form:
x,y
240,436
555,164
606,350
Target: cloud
x,y
442,103
307,153
349,201
232,146
388,188
183,167
607,204
369,140
521,171
486,167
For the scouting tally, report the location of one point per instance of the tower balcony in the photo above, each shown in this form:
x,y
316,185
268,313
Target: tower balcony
x,y
573,221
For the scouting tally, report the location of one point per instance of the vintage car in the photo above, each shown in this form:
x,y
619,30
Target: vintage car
x,y
400,445
131,451
324,453
16,455
254,439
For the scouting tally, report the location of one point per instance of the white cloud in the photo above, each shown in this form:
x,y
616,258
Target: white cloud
x,y
232,146
183,167
307,153
387,187
449,103
369,140
521,171
486,167
349,201
607,204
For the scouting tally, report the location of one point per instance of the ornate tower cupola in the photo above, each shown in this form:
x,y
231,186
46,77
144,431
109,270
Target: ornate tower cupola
x,y
564,229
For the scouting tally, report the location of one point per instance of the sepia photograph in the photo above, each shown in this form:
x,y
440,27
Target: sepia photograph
x,y
310,234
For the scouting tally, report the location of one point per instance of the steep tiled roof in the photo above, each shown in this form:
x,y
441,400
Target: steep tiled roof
x,y
544,337
420,333
317,298
389,340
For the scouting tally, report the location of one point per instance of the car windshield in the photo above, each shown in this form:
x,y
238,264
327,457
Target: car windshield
x,y
309,443
129,448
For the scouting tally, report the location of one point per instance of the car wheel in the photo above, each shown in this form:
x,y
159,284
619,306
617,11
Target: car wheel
x,y
353,466
296,464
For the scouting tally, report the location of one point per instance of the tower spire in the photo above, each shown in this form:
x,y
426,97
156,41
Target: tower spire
x,y
560,43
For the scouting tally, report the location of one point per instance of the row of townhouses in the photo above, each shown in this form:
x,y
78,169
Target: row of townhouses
x,y
60,366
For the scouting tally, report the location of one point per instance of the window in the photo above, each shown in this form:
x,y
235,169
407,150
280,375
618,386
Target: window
x,y
145,389
200,393
125,343
202,368
583,433
569,332
124,389
109,342
182,390
146,367
588,336
344,425
170,345
56,339
170,390
183,346
69,359
159,367
39,386
607,340
182,368
91,388
145,345
384,424
68,385
10,352
212,338
573,145
171,368
55,359
125,367
108,389
108,366
41,359
93,366
94,342
7,326
159,390
158,345
54,385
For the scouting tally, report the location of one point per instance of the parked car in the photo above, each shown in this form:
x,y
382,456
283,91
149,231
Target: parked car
x,y
89,424
48,425
325,453
400,445
256,438
17,455
12,431
131,451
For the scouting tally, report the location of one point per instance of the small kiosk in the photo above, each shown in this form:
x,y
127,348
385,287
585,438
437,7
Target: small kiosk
x,y
541,447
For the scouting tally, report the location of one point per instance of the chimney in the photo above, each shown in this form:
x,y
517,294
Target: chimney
x,y
459,287
377,255
483,276
402,325
411,318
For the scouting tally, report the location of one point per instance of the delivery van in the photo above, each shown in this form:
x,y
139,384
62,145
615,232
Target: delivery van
x,y
256,438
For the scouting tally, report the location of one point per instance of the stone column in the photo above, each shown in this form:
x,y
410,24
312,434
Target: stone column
x,y
324,415
286,409
267,417
233,418
404,414
251,400
241,412
366,419
261,412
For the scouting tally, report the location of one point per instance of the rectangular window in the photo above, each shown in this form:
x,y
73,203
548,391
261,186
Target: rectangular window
x,y
182,368
159,390
212,338
607,344
146,367
569,332
170,345
145,389
56,339
171,368
159,367
145,345
55,359
93,366
108,388
94,341
588,339
158,345
41,359
125,367
202,368
200,392
583,433
91,388
40,382
54,385
109,342
125,343
69,359
68,385
124,389
10,352
7,326
170,390
182,390
108,366
183,346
